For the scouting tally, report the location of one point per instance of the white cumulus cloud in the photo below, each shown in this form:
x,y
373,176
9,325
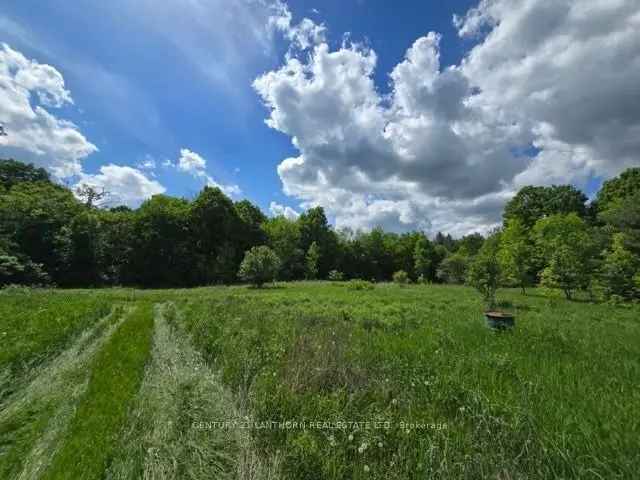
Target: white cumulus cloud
x,y
556,78
277,210
27,90
194,164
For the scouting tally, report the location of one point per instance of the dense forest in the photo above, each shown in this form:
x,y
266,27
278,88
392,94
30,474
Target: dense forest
x,y
51,235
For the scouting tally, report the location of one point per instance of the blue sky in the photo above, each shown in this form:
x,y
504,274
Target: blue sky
x,y
150,80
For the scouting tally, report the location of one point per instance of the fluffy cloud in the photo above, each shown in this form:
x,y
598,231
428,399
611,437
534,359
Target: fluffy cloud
x,y
441,151
124,185
276,210
303,35
27,89
194,164
191,162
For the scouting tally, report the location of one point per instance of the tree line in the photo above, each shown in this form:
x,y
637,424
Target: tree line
x,y
550,235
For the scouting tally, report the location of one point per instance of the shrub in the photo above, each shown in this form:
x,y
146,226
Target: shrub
x,y
260,265
567,247
484,272
336,276
453,269
360,285
618,270
400,277
565,271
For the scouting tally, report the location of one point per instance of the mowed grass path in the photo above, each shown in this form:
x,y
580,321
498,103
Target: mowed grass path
x,y
436,394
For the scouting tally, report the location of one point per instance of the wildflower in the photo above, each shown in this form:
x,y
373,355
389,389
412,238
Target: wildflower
x,y
366,468
379,444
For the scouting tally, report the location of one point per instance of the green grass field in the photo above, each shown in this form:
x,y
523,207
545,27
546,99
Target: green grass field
x,y
315,381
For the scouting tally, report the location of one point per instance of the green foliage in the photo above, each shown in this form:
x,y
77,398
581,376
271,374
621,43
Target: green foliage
x,y
563,241
260,265
314,228
36,219
47,235
313,261
470,244
531,204
423,258
515,253
618,270
161,251
453,269
13,172
618,189
484,271
215,224
336,276
283,235
401,277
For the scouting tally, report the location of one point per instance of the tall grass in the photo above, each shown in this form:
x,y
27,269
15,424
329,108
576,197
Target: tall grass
x,y
164,438
34,418
116,374
37,324
554,398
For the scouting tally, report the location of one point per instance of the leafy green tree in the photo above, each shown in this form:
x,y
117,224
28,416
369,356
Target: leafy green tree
x,y
422,257
283,236
216,229
531,204
314,227
379,257
118,239
564,243
618,270
617,189
516,250
565,271
470,244
17,268
259,266
484,271
312,261
250,231
36,218
623,215
453,268
162,251
13,172
446,241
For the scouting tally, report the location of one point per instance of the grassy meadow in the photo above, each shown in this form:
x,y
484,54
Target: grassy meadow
x,y
315,380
